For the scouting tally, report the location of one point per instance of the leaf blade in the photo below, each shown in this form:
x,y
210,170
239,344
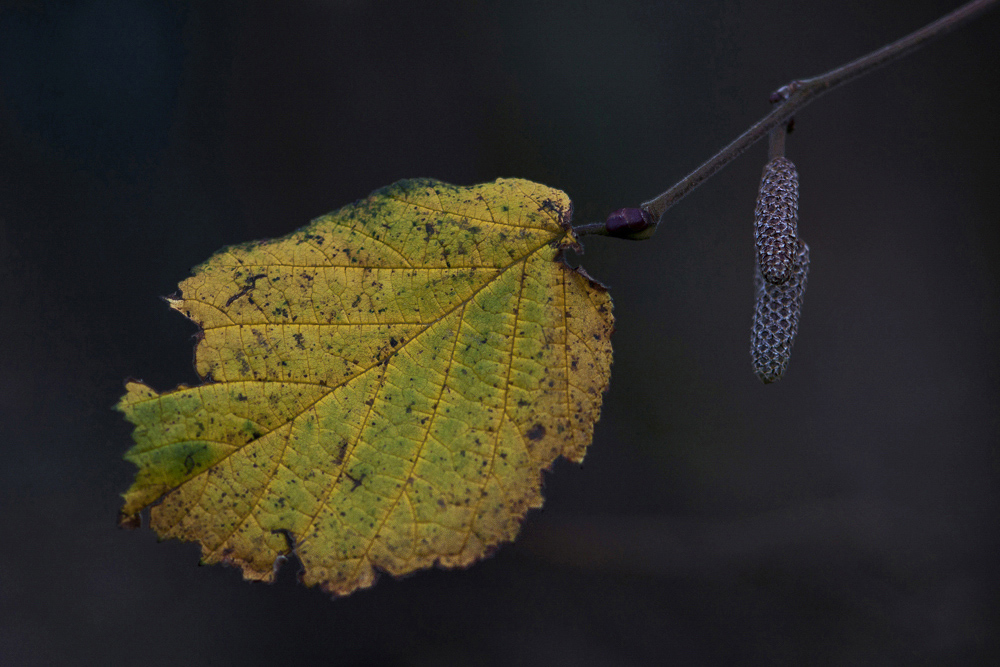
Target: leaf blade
x,y
441,361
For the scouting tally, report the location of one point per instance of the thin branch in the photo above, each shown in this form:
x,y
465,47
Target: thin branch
x,y
791,98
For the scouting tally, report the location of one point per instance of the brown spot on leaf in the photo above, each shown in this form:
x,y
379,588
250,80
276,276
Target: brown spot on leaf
x,y
250,284
536,432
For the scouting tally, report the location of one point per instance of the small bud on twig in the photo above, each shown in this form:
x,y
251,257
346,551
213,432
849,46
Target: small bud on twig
x,y
630,223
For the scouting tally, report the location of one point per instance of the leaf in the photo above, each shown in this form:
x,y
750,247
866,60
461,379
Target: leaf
x,y
382,388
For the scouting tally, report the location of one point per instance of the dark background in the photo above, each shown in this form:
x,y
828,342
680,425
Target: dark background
x,y
846,515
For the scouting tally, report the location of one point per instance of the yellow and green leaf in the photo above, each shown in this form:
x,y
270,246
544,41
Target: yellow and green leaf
x,y
382,388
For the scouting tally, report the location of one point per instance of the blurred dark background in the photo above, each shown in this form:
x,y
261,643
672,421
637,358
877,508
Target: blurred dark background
x,y
846,515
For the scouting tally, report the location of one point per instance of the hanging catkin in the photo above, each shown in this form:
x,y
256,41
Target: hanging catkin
x,y
776,220
776,317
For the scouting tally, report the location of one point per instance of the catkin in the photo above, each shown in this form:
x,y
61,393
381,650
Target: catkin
x,y
776,317
776,220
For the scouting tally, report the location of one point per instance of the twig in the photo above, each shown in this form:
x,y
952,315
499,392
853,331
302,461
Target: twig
x,y
791,98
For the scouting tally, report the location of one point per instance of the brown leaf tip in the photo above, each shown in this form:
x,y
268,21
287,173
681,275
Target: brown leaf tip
x,y
594,282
